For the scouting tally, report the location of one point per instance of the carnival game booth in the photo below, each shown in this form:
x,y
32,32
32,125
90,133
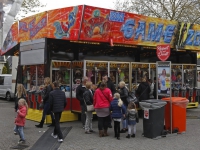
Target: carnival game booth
x,y
69,43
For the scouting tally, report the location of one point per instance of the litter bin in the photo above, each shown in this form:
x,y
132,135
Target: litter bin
x,y
153,121
179,105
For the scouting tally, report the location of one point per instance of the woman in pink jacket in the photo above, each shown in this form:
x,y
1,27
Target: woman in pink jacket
x,y
20,119
102,99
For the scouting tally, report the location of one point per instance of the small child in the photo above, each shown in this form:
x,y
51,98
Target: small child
x,y
118,111
20,119
131,115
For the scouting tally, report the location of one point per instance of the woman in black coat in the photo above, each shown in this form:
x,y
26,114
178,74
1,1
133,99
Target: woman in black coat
x,y
123,91
46,108
88,100
143,90
143,93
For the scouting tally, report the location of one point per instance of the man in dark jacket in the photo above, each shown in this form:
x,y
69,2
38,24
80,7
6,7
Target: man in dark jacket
x,y
57,104
143,90
79,95
110,84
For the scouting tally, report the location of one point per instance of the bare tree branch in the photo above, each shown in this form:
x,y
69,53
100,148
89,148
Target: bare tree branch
x,y
180,10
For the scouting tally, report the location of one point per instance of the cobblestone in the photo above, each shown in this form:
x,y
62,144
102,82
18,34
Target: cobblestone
x,y
78,140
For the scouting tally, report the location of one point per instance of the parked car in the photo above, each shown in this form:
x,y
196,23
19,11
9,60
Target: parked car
x,y
6,86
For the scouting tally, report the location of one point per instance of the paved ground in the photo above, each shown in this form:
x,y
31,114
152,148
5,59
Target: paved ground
x,y
78,140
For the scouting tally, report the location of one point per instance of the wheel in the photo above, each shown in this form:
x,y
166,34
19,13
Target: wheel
x,y
8,96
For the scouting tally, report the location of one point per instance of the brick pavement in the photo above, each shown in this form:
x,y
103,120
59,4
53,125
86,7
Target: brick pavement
x,y
78,140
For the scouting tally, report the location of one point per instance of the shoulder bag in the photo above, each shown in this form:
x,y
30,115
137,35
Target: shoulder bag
x,y
90,107
104,96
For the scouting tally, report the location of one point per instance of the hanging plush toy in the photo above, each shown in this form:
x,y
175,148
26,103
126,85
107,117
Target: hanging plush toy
x,y
89,74
121,76
77,75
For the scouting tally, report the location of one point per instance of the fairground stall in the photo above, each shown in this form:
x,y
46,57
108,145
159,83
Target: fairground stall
x,y
69,43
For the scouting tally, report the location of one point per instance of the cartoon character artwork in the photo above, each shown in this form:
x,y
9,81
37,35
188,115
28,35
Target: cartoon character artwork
x,y
89,74
77,76
97,26
63,28
9,42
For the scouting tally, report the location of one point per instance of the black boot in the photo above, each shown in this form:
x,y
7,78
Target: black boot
x,y
40,125
128,136
133,135
52,124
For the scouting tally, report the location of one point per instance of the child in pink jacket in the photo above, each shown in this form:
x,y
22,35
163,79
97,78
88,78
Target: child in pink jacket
x,y
20,119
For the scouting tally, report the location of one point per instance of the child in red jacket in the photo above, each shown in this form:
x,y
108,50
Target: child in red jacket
x,y
20,119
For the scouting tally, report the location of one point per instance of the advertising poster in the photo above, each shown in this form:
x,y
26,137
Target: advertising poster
x,y
11,39
33,27
164,78
106,25
65,23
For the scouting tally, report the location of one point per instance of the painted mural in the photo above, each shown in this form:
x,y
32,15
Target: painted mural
x,y
188,36
103,24
64,23
11,39
86,23
33,27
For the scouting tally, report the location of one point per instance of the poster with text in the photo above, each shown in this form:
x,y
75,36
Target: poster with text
x,y
164,78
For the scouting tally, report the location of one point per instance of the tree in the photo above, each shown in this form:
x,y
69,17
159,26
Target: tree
x,y
179,10
29,6
7,67
4,70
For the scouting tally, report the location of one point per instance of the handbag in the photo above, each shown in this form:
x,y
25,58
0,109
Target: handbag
x,y
89,108
41,105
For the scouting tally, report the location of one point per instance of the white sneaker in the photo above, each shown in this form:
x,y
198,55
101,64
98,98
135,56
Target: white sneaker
x,y
60,140
54,136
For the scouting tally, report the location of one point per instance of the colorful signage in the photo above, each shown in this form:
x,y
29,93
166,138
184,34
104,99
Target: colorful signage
x,y
188,36
86,23
33,27
163,52
64,23
102,25
11,39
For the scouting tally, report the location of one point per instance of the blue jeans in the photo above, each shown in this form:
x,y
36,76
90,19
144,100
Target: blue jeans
x,y
46,111
124,121
20,131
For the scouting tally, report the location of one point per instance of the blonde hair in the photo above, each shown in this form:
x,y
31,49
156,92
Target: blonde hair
x,y
132,105
117,96
144,79
20,90
88,84
122,83
47,81
23,101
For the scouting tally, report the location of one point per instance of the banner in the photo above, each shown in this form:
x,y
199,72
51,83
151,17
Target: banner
x,y
33,27
65,23
11,39
104,25
188,36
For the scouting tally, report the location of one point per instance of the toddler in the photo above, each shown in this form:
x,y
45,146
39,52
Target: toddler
x,y
20,119
118,111
131,115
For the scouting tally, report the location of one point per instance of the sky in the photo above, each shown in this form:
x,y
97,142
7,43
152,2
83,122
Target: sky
x,y
53,4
